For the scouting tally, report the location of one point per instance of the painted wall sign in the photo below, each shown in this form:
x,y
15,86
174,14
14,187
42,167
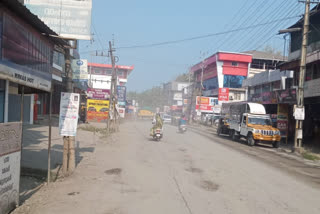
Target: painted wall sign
x,y
10,155
69,113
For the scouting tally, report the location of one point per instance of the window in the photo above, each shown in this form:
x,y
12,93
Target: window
x,y
316,71
244,121
234,64
237,96
275,85
233,81
210,84
266,87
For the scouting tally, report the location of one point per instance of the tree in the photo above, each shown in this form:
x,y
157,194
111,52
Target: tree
x,y
271,50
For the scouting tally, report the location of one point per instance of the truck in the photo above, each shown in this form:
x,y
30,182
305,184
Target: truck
x,y
250,121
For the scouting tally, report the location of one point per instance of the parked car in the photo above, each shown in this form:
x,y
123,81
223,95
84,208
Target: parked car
x,y
166,118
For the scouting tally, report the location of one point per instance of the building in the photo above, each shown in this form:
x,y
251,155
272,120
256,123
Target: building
x,y
174,93
25,61
312,78
100,77
263,61
274,90
221,76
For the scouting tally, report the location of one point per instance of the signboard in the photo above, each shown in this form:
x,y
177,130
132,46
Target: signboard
x,y
185,101
98,94
97,110
68,18
79,69
25,78
121,94
282,119
69,113
286,96
100,81
223,94
10,155
177,96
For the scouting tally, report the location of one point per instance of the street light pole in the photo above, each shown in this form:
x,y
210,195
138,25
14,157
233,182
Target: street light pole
x,y
300,94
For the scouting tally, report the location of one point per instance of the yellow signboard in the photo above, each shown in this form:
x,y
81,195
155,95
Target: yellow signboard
x,y
97,110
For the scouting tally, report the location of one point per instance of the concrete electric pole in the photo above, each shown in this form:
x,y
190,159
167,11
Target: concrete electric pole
x,y
113,91
300,94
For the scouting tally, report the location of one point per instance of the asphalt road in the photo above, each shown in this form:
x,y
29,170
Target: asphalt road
x,y
183,173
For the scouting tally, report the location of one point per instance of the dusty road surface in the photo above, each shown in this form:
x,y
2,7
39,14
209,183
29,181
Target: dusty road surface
x,y
183,173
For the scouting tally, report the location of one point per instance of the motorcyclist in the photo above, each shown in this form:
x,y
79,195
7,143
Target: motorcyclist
x,y
182,120
158,123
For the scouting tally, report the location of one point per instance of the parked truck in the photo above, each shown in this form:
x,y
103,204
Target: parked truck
x,y
249,120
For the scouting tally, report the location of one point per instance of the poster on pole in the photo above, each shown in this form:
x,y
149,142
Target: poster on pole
x,y
69,114
70,19
10,155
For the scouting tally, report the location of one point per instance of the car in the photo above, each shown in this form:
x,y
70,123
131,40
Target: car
x,y
166,118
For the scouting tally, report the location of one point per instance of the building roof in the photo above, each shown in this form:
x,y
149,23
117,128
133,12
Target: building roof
x,y
125,67
314,14
25,14
265,55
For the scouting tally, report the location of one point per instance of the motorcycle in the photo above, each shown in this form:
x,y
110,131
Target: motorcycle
x,y
182,128
157,135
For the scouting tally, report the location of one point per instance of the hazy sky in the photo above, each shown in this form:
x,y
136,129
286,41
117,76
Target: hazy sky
x,y
145,22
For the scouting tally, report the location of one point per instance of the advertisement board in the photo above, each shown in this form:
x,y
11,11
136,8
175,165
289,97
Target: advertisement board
x,y
97,110
100,82
121,94
223,94
282,119
122,112
10,155
68,18
98,94
69,113
206,104
177,96
79,69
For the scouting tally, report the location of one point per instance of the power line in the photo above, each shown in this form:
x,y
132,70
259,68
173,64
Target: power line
x,y
262,32
250,15
274,26
274,13
196,37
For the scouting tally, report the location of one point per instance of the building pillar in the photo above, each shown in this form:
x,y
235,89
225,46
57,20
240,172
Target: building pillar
x,y
31,108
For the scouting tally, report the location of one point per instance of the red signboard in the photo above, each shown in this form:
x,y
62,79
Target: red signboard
x,y
223,94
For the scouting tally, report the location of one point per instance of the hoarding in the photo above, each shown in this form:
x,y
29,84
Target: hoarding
x,y
100,81
206,104
98,94
97,110
10,155
79,69
68,18
282,119
69,113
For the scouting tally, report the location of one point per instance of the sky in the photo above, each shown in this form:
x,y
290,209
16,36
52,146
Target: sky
x,y
142,22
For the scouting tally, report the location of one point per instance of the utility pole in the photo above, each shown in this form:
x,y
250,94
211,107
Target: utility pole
x,y
300,95
113,91
68,162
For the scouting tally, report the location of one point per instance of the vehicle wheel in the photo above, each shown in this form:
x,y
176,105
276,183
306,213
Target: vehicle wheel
x,y
250,140
276,144
219,131
234,136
